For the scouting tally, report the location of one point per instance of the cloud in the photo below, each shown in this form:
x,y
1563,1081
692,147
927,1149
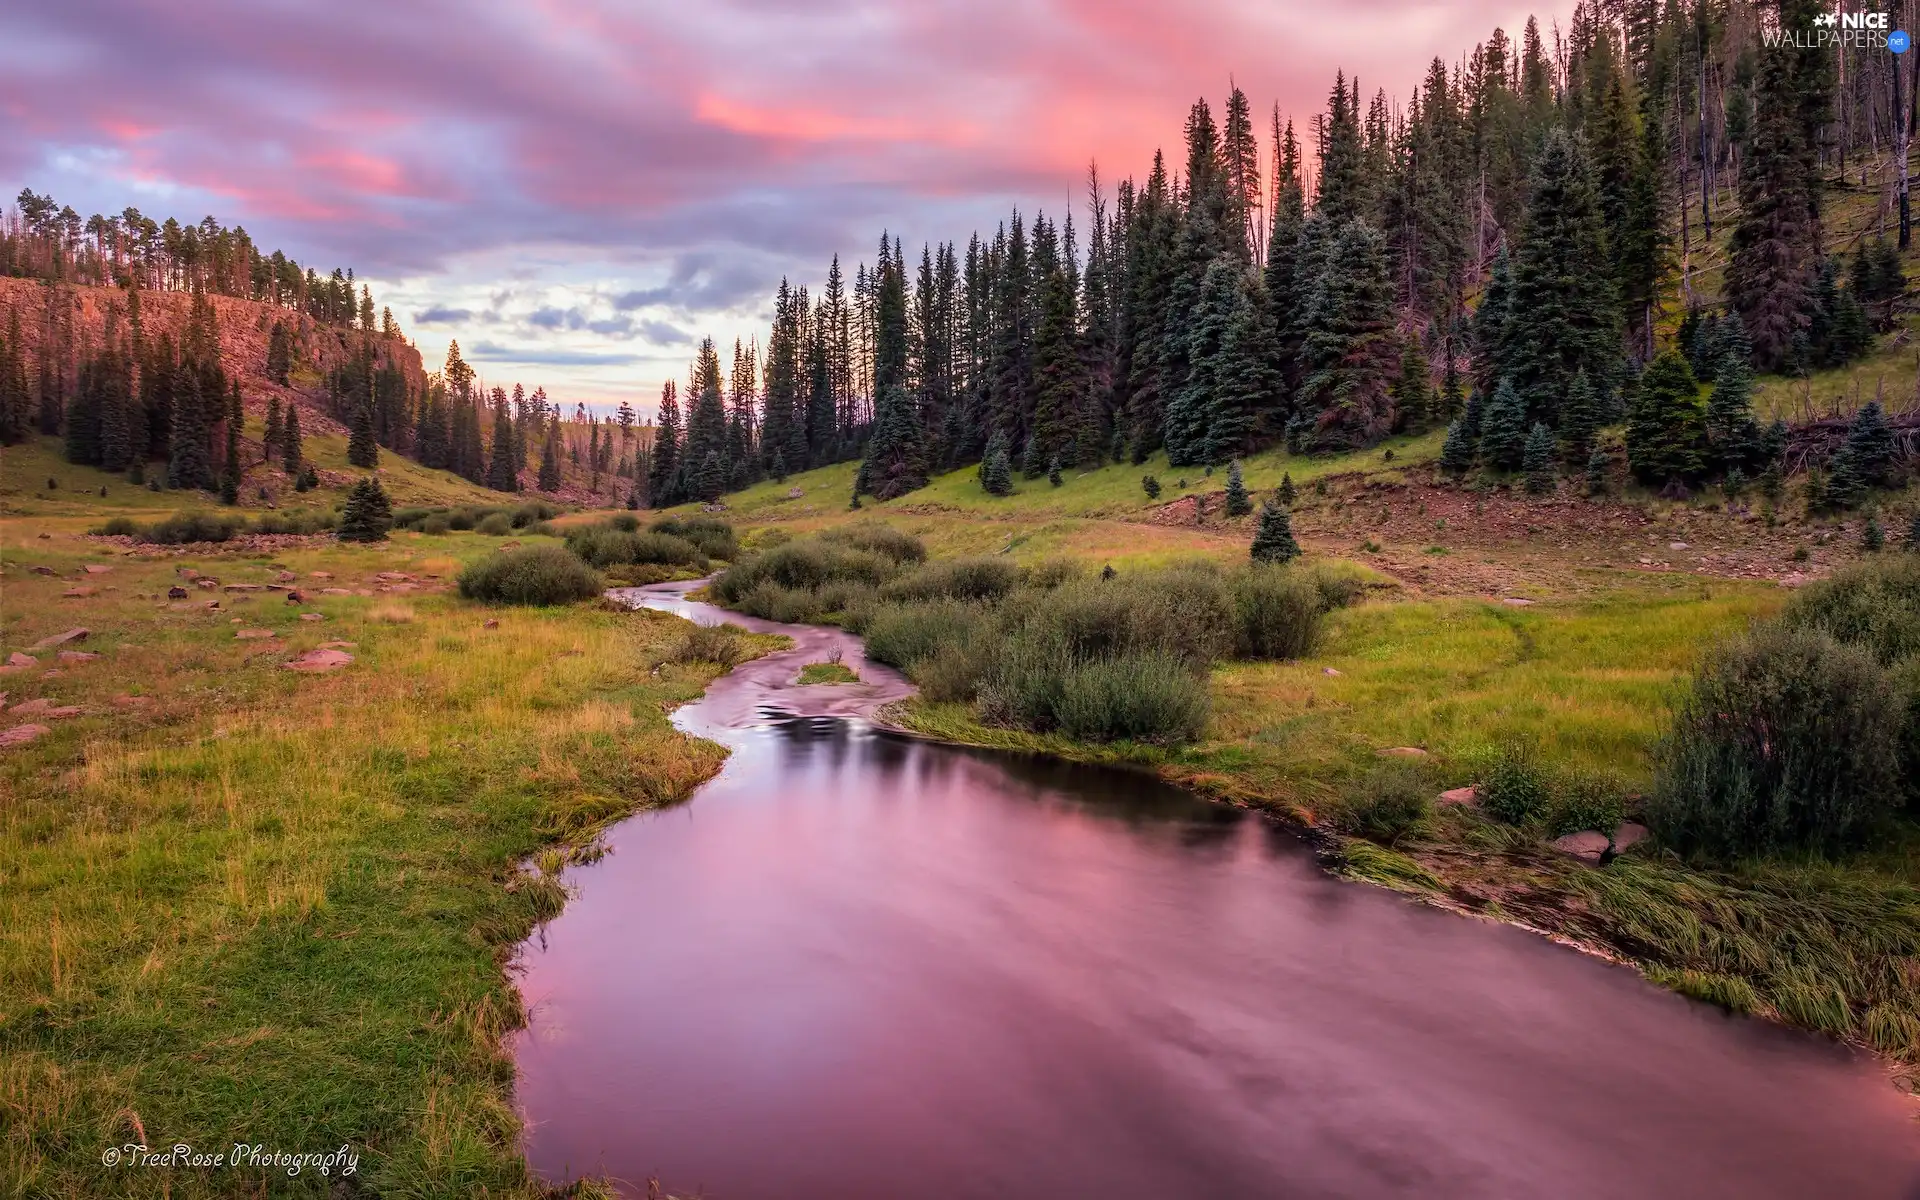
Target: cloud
x,y
440,314
543,356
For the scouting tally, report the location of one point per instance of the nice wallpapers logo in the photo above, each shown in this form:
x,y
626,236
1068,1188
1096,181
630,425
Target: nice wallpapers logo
x,y
1841,30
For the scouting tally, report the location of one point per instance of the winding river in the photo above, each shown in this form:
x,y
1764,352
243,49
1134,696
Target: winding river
x,y
858,965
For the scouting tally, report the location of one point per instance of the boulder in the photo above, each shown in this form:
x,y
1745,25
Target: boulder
x,y
312,617
1329,671
17,659
254,635
1403,752
61,639
43,570
319,574
44,707
243,587
206,581
20,735
97,568
79,593
77,656
490,623
125,701
176,593
1629,833
1461,795
1516,601
296,598
286,577
322,659
187,573
335,592
1588,845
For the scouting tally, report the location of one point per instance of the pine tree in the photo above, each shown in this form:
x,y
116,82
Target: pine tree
x,y
362,449
1151,486
549,480
1348,350
290,442
276,429
233,472
1239,504
1599,467
503,467
1537,460
1775,246
1490,327
1564,315
1580,418
1862,463
663,472
279,354
1457,453
779,466
1273,538
1503,433
996,469
1666,432
187,459
1873,538
368,514
711,480
1732,433
1413,390
1286,491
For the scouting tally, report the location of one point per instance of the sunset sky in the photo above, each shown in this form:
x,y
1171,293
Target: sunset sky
x,y
578,191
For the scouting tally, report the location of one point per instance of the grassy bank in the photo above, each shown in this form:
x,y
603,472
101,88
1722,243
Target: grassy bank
x,y
243,903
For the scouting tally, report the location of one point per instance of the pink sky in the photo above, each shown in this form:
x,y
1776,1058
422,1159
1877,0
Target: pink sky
x,y
575,189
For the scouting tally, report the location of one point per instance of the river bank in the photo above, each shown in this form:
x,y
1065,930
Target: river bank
x,y
898,965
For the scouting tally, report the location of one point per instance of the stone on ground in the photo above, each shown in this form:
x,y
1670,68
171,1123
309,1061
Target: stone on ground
x,y
1461,795
61,639
1588,845
20,735
322,659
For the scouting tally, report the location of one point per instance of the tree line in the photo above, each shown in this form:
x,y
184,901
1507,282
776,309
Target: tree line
x,y
1493,255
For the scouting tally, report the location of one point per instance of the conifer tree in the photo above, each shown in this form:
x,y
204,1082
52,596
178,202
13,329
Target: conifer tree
x,y
115,403
1580,419
1348,352
290,442
1537,460
1733,434
996,469
362,449
1564,315
663,472
711,479
1666,432
1490,327
549,480
1273,540
1286,492
1599,465
279,355
187,459
1457,452
1862,463
1413,390
368,514
1873,538
276,429
779,466
503,468
1053,473
1504,429
1150,486
233,472
1239,504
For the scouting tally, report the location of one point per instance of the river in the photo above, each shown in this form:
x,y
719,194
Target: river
x,y
861,965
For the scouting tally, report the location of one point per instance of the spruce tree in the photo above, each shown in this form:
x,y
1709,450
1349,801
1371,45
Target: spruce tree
x,y
1349,352
1873,538
1150,486
279,355
1599,466
290,442
368,514
1273,540
1490,327
1456,454
276,427
1413,390
549,480
1580,419
503,467
1732,433
1503,433
232,472
1869,451
663,471
1666,432
711,480
1053,473
1239,504
1564,317
1286,491
187,459
362,449
996,471
1537,460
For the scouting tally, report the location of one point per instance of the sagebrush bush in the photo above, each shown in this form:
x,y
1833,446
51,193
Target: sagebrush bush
x,y
533,511
1905,678
769,601
495,525
1516,789
436,524
901,635
713,537
1787,740
956,579
1874,603
883,540
608,545
1586,800
722,644
804,565
1389,804
117,527
462,519
295,522
530,575
183,528
1277,612
1051,573
1132,697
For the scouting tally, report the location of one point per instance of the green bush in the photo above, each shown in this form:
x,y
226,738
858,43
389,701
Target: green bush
x,y
713,536
1906,684
1787,740
183,528
804,565
771,602
956,579
495,525
462,519
533,511
881,539
1277,612
1391,803
117,527
1875,604
1516,789
295,522
413,516
1050,573
722,644
531,575
1586,800
1133,697
436,524
902,635
608,545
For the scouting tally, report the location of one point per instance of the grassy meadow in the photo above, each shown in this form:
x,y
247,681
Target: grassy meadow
x,y
239,902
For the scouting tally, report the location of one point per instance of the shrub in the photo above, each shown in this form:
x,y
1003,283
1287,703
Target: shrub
x,y
531,575
1872,604
462,519
1516,789
117,527
712,536
1185,612
805,564
182,528
722,644
412,517
1391,803
882,539
435,525
1133,697
1906,684
1788,740
1587,800
532,511
294,522
607,545
772,602
1277,613
902,635
954,671
495,525
956,579
1051,573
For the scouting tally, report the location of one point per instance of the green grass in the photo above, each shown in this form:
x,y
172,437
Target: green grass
x,y
277,907
827,672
